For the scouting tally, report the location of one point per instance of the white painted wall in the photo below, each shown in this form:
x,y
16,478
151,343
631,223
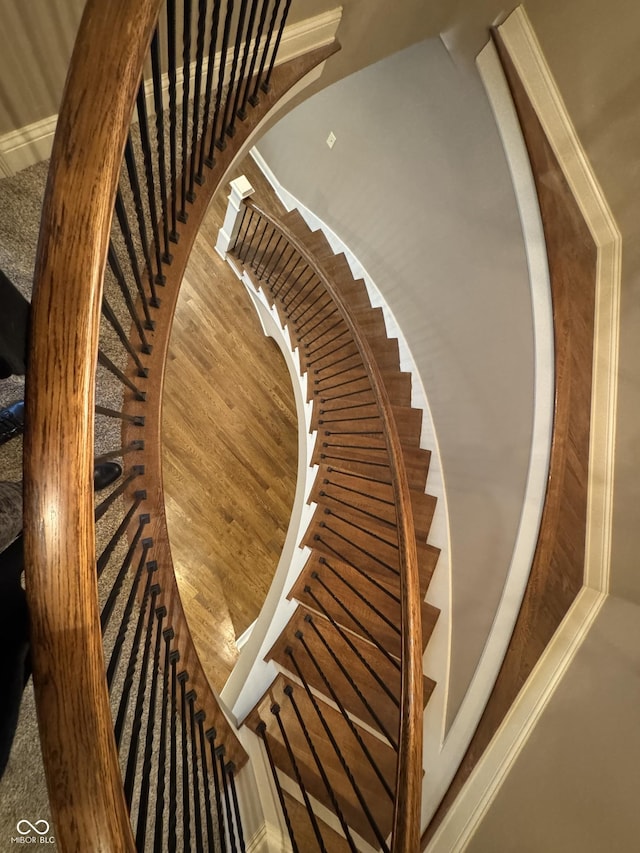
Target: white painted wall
x,y
417,186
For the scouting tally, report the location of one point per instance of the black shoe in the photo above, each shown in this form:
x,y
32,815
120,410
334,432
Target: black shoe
x,y
11,421
105,474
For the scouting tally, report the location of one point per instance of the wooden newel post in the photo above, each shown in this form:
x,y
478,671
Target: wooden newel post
x,y
240,189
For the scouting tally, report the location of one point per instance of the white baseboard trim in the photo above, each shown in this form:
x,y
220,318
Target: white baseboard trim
x,y
28,145
269,839
32,143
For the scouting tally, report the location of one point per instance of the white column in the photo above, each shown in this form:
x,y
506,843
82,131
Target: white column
x,y
240,189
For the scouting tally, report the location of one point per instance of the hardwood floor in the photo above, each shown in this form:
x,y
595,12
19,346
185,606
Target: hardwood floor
x,y
229,452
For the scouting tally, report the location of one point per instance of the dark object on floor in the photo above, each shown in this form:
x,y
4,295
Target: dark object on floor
x,y
11,421
14,327
105,474
15,663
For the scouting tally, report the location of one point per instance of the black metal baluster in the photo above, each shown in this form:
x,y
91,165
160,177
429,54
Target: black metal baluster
x,y
314,353
106,362
145,782
242,112
107,609
220,143
132,759
109,313
276,266
173,110
104,557
183,677
262,273
210,735
125,229
362,597
134,183
186,81
200,718
103,507
284,274
354,731
158,834
264,255
323,320
261,730
316,358
345,637
197,815
213,40
116,269
202,13
133,655
226,126
375,717
126,616
172,839
227,804
359,570
117,452
359,795
288,691
236,808
136,420
238,239
299,298
162,169
275,710
254,99
293,284
243,66
297,292
300,326
258,244
266,85
143,124
369,554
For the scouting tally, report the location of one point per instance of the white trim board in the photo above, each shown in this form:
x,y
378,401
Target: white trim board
x,y
476,796
32,143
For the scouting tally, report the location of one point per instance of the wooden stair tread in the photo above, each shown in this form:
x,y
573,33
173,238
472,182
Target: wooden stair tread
x,y
370,498
303,830
342,643
372,789
337,536
379,614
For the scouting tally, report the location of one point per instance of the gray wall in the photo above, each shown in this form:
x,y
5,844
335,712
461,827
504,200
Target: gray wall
x,y
574,787
417,187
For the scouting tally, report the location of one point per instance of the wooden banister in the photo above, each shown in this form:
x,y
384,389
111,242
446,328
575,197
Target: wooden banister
x,y
407,806
78,746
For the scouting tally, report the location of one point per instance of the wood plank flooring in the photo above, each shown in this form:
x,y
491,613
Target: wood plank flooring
x,y
229,452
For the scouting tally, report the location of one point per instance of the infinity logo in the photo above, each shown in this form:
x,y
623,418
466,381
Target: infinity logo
x,y
32,827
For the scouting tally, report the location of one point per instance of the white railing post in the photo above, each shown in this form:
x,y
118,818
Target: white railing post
x,y
240,189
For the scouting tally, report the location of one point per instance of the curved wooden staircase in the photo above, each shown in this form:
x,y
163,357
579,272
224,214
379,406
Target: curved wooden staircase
x,y
330,721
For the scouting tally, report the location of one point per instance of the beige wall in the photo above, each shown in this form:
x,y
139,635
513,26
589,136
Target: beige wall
x,y
37,40
418,188
574,788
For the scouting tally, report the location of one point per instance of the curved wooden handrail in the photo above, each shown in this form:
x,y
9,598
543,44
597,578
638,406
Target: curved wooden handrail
x,y
76,731
407,807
